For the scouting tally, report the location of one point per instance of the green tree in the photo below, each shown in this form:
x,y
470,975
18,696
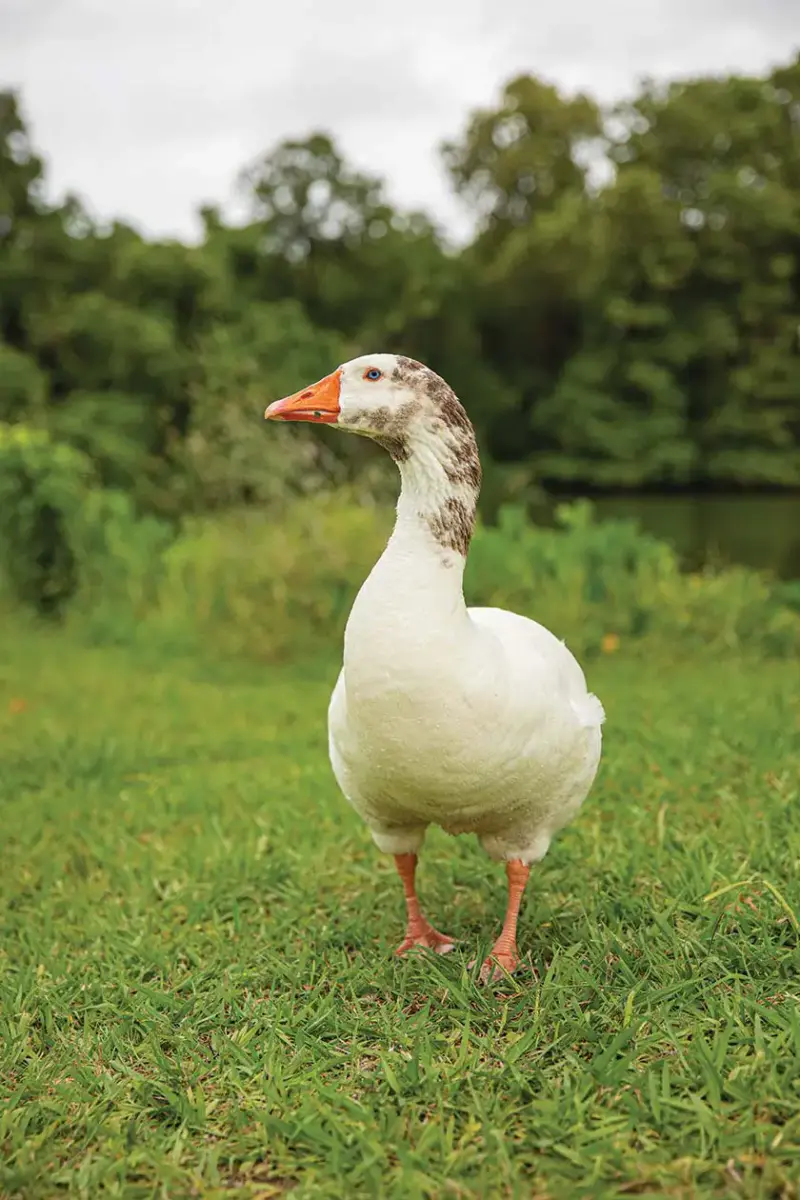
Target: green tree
x,y
618,412
231,459
522,167
727,155
519,159
626,313
23,386
646,329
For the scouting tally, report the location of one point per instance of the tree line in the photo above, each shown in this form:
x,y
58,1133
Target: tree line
x,y
626,315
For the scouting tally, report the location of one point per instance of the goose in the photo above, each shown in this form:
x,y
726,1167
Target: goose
x,y
477,720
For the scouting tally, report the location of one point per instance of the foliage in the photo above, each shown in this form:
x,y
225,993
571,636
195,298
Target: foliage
x,y
198,993
66,543
231,457
648,324
43,487
119,557
625,315
23,386
518,161
599,584
239,584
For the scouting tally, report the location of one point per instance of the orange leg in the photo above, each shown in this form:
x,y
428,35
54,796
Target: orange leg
x,y
419,931
504,956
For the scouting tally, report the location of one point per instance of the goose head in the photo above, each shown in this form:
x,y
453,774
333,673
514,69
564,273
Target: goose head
x,y
396,401
408,409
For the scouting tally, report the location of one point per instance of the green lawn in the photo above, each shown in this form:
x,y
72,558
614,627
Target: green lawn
x,y
199,998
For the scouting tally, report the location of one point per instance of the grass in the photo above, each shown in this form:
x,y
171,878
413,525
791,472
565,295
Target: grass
x,y
199,998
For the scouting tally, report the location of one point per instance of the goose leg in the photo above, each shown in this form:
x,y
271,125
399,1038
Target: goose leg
x,y
504,956
419,931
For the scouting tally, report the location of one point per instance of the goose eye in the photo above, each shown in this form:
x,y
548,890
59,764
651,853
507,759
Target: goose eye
x,y
372,373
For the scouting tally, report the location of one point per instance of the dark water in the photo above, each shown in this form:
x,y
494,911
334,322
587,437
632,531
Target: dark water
x,y
756,531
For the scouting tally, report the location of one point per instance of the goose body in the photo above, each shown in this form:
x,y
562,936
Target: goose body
x,y
489,732
478,720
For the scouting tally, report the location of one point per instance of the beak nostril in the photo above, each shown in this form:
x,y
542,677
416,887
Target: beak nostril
x,y
319,402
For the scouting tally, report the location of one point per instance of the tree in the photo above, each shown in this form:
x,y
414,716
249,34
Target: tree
x,y
21,170
518,160
522,166
626,314
231,459
646,328
618,411
727,153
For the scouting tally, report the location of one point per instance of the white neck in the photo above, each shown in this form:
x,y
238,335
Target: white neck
x,y
426,568
415,591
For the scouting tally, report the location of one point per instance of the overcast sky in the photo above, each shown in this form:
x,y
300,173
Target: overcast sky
x,y
148,108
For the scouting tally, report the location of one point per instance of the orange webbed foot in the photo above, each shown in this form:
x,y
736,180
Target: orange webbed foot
x,y
425,937
419,931
499,964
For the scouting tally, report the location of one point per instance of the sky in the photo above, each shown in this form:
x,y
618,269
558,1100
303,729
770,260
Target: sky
x,y
149,108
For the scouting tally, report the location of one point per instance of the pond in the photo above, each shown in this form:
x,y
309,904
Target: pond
x,y
756,531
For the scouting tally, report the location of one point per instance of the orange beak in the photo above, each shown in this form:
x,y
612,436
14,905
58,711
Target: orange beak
x,y
318,403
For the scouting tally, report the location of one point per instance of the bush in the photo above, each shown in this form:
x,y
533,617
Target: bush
x,y
119,558
599,584
231,457
62,539
266,587
273,586
43,486
23,386
279,583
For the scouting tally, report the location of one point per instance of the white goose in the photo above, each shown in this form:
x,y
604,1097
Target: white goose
x,y
474,719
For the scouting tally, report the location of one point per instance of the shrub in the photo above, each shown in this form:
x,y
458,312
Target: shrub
x,y
43,486
231,457
23,386
64,540
599,583
119,558
266,587
270,586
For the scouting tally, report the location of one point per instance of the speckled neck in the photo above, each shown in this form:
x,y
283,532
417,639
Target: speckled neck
x,y
439,466
411,609
437,504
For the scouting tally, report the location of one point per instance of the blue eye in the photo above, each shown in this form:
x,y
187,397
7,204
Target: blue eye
x,y
373,373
